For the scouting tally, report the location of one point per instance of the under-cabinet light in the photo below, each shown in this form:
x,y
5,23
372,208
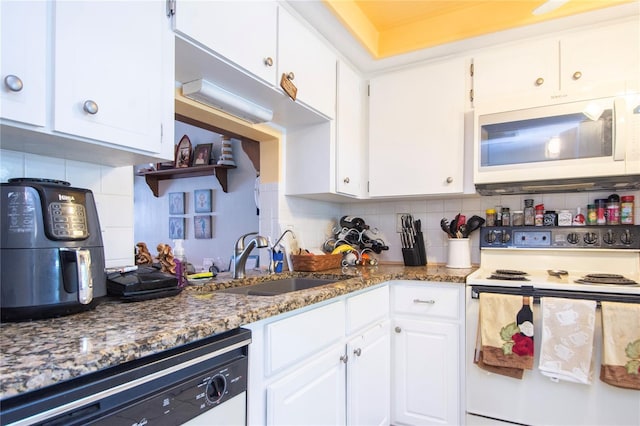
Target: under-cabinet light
x,y
209,94
548,6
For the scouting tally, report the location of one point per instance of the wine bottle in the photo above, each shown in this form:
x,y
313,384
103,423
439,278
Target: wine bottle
x,y
353,222
524,318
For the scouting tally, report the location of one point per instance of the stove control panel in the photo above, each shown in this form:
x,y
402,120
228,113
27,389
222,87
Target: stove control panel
x,y
558,237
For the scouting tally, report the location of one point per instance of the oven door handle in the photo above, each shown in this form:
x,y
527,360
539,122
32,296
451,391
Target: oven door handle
x,y
537,293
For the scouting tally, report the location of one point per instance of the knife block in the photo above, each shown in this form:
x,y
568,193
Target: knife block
x,y
416,255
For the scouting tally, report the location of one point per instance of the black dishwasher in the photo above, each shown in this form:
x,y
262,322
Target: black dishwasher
x,y
202,379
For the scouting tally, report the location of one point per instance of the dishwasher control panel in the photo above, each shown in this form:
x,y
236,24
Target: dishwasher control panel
x,y
559,237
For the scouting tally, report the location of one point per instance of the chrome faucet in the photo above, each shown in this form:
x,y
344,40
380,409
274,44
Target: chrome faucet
x,y
241,252
272,250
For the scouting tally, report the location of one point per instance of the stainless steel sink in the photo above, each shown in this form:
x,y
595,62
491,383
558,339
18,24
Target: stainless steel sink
x,y
279,286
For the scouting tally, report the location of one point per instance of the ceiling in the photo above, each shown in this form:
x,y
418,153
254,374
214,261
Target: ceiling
x,y
378,35
391,27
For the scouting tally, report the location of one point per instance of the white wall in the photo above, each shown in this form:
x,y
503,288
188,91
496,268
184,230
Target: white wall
x,y
234,213
112,188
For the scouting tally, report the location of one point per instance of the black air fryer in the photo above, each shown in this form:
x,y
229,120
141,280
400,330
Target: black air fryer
x,y
52,257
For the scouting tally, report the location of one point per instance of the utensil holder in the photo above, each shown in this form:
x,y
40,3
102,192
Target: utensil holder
x,y
459,255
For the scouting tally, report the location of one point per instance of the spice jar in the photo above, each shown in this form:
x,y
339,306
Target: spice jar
x,y
490,217
517,218
601,218
613,210
578,219
550,218
506,217
626,210
529,213
564,218
592,216
539,217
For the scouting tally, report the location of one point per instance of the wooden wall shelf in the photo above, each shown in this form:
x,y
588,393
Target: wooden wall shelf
x,y
219,171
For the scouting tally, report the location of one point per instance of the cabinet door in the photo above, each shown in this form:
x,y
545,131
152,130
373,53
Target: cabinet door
x,y
425,373
501,74
350,143
314,394
242,32
309,61
368,377
110,53
24,44
601,59
416,130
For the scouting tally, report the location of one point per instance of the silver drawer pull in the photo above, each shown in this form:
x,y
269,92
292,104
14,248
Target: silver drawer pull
x,y
430,301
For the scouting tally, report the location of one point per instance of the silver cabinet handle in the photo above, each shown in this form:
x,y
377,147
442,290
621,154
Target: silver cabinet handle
x,y
539,81
268,61
357,352
90,107
576,75
13,83
398,329
344,358
346,180
430,301
291,76
449,179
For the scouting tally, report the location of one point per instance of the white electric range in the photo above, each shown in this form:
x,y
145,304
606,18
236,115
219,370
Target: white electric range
x,y
552,262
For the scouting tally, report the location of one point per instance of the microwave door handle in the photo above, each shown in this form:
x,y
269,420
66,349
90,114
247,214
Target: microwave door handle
x,y
82,260
619,129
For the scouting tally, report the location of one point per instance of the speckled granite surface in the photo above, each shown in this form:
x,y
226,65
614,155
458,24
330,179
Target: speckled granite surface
x,y
41,353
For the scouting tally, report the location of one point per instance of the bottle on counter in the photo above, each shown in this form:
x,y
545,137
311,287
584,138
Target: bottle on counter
x,y
578,219
592,215
529,213
181,263
539,216
626,210
353,222
498,215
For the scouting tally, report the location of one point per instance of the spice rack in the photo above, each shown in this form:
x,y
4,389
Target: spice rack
x,y
219,171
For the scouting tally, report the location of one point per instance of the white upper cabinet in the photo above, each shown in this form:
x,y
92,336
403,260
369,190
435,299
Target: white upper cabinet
x,y
243,32
416,130
602,61
308,62
108,62
23,72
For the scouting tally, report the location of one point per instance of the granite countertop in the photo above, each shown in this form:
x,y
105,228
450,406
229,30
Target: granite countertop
x,y
41,353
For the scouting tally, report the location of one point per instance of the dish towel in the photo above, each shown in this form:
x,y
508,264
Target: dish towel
x,y
502,347
566,349
621,344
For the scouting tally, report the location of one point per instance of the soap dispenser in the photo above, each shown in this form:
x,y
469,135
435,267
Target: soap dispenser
x,y
181,262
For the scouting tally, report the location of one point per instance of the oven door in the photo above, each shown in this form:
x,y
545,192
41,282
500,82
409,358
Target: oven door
x,y
536,400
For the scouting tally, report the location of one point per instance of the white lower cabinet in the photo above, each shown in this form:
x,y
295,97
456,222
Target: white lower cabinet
x,y
323,365
427,340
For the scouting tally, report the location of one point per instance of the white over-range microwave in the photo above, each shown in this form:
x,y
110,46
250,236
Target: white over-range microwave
x,y
586,145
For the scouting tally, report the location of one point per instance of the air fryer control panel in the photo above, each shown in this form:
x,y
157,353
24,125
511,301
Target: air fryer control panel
x,y
559,237
67,220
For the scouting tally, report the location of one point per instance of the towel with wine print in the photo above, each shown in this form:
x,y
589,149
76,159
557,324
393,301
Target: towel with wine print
x,y
506,334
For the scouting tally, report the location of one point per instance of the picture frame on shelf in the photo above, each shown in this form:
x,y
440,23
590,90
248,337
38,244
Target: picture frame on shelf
x,y
201,154
176,228
183,153
203,227
202,200
176,203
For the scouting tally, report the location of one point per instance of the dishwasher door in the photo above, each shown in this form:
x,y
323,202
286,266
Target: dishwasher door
x,y
205,378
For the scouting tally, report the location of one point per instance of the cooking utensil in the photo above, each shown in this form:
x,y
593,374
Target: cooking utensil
x,y
453,226
472,224
444,224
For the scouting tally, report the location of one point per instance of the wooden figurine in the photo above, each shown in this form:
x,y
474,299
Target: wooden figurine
x,y
143,257
165,257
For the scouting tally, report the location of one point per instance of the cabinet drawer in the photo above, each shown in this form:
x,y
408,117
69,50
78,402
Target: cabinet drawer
x,y
366,308
427,300
292,339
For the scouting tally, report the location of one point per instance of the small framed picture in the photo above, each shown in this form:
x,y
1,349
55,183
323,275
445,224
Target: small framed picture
x,y
202,227
201,154
176,203
176,228
202,200
183,152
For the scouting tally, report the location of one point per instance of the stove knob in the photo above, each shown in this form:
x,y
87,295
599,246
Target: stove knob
x,y
573,238
626,238
609,237
591,238
505,237
216,388
491,237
